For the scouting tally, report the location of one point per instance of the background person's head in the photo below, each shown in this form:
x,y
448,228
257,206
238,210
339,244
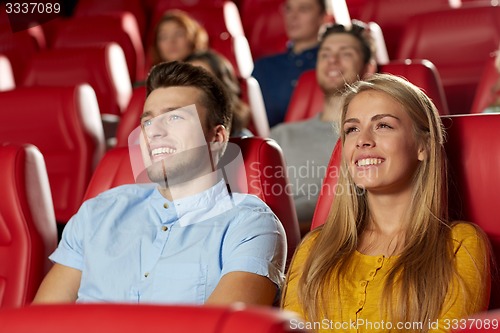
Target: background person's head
x,y
303,19
177,35
222,69
346,55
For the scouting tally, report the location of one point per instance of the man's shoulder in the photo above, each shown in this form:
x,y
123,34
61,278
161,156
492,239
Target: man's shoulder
x,y
271,61
250,202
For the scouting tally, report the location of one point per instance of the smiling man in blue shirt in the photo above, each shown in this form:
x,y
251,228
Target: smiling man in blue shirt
x,y
184,239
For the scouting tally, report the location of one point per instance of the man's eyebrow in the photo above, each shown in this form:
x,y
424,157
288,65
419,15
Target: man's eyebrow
x,y
162,111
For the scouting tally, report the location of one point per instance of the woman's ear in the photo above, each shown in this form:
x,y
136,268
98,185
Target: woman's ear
x,y
422,152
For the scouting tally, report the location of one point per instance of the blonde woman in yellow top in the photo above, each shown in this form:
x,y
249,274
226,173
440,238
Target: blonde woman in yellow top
x,y
387,259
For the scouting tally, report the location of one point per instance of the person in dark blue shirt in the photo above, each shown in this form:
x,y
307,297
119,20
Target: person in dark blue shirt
x,y
278,74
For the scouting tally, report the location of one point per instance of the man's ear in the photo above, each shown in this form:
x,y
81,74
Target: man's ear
x,y
220,136
370,69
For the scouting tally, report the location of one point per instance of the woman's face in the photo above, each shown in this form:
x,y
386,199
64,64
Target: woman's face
x,y
172,42
380,147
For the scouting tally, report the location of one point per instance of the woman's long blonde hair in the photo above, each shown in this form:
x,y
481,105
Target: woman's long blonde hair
x,y
424,269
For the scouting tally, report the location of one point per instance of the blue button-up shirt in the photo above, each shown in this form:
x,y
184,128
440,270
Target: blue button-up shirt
x,y
277,76
133,245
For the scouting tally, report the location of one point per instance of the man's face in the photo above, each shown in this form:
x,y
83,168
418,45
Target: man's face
x,y
173,140
303,18
340,62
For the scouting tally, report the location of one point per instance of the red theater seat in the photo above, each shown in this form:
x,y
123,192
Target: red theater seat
x,y
132,318
392,16
27,223
474,160
458,41
120,28
264,26
131,117
265,172
485,94
423,74
103,67
307,98
86,8
64,123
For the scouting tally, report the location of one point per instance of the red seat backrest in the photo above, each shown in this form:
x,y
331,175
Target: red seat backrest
x,y
485,94
264,25
27,223
120,28
103,67
392,15
327,193
131,318
458,41
423,74
131,117
19,47
86,8
307,98
265,171
64,123
474,159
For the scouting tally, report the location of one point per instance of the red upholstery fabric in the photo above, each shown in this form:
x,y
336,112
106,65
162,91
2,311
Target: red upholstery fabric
x,y
265,171
122,318
62,123
307,99
264,26
120,28
98,7
484,94
474,160
458,42
484,322
27,224
327,194
392,16
103,67
423,74
19,47
131,117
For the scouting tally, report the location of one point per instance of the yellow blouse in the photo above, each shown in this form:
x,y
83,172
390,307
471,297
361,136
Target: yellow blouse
x,y
361,293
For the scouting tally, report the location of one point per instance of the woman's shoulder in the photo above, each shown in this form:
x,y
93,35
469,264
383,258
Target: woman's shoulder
x,y
469,235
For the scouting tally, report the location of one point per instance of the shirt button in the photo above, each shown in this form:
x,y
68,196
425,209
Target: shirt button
x,y
165,205
371,273
146,274
360,303
299,63
164,228
363,284
379,260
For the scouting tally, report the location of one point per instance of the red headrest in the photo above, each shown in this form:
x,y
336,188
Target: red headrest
x,y
307,99
484,93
